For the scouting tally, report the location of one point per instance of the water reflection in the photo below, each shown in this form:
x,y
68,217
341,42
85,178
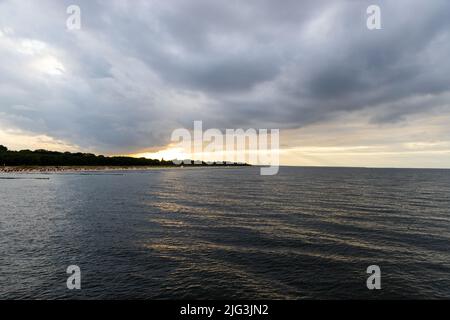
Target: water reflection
x,y
227,233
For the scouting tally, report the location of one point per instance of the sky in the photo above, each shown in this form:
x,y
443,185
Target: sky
x,y
340,94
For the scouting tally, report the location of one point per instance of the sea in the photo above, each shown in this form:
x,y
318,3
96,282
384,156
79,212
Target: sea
x,y
226,233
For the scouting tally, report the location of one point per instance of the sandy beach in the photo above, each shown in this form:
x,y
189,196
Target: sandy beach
x,y
73,169
82,169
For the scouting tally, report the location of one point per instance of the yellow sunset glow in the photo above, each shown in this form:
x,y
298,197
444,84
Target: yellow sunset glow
x,y
167,154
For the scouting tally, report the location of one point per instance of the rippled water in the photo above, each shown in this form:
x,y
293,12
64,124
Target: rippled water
x,y
227,233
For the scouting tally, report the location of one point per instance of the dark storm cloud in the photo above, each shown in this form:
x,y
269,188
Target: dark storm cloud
x,y
139,69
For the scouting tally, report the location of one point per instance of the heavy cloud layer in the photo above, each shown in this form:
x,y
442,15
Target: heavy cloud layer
x,y
139,69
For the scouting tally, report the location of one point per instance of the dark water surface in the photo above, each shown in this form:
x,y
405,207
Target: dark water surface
x,y
227,233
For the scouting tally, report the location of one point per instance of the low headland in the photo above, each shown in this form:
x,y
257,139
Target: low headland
x,y
39,161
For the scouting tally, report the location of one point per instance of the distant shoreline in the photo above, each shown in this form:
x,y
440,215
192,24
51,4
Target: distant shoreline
x,y
54,161
73,169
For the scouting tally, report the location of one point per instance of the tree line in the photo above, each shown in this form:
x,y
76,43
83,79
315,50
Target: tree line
x,y
53,158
